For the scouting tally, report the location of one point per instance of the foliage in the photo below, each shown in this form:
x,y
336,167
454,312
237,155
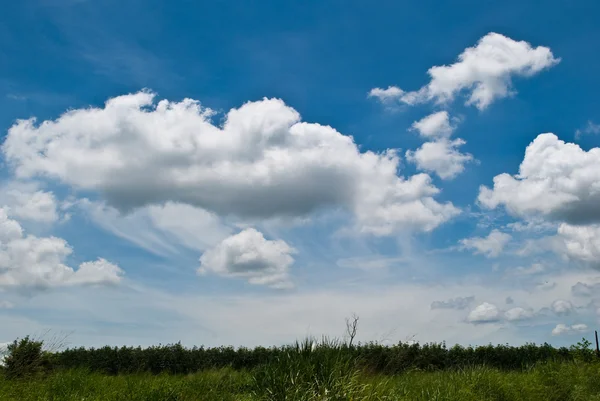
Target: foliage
x,y
25,358
370,357
583,351
308,371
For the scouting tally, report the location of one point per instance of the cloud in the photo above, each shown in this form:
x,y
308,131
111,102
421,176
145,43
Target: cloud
x,y
38,262
25,201
585,289
517,314
262,162
557,181
370,263
535,268
6,305
386,95
562,307
249,255
562,329
484,72
490,246
454,303
532,226
160,229
558,185
434,125
580,243
484,313
590,128
441,157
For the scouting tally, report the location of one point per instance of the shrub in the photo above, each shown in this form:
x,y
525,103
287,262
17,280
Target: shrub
x,y
25,358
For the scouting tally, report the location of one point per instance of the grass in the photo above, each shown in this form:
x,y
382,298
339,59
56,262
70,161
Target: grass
x,y
299,376
548,382
306,371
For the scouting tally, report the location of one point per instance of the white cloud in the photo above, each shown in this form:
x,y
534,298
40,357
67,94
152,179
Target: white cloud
x,y
490,246
581,243
580,328
249,255
562,307
590,128
484,313
441,157
386,95
518,313
262,162
26,201
434,125
484,72
558,185
30,261
562,329
160,229
453,303
535,225
557,181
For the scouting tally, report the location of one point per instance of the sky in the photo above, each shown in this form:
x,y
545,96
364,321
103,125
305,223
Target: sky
x,y
254,172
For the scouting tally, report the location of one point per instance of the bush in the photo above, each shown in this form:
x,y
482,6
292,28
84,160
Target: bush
x,y
25,358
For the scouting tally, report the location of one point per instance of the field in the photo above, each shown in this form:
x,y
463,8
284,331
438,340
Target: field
x,y
305,371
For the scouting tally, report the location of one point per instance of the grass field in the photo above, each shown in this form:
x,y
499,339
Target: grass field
x,y
558,381
306,371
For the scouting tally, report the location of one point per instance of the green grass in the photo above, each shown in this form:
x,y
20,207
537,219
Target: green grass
x,y
331,371
299,380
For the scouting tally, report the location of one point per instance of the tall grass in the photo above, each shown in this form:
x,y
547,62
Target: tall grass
x,y
325,370
566,381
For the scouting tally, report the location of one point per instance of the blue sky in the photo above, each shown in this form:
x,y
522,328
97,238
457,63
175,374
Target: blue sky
x,y
332,157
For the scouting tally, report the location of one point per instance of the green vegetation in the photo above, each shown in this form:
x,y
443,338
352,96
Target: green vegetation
x,y
305,371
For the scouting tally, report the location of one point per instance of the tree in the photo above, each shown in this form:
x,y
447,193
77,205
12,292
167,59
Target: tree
x,y
351,327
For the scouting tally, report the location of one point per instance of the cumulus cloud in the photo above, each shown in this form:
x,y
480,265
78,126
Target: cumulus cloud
x,y
262,162
562,307
441,157
518,313
484,313
580,243
563,329
454,303
38,262
490,246
484,72
249,255
556,180
434,125
26,201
